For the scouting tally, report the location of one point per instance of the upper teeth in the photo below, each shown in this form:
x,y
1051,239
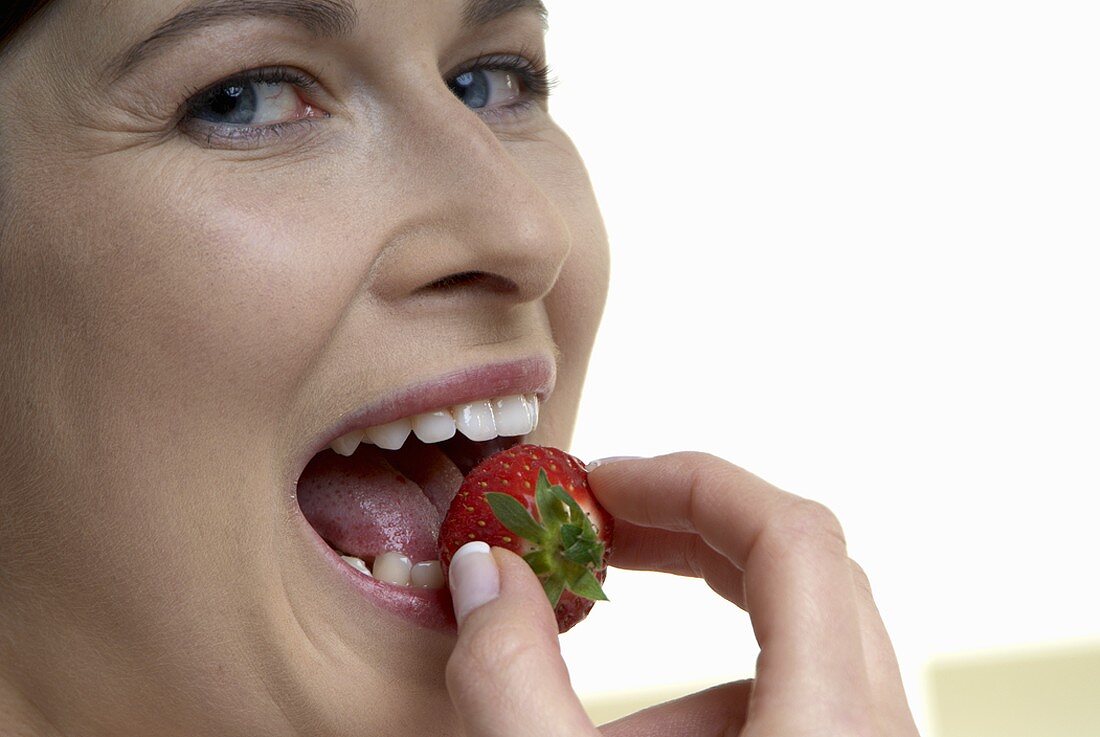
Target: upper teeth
x,y
482,420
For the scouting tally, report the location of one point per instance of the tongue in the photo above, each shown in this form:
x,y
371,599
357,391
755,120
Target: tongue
x,y
379,500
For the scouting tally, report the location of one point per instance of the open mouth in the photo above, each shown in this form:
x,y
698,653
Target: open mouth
x,y
377,495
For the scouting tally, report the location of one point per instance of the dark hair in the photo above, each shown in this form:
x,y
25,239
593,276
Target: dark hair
x,y
14,14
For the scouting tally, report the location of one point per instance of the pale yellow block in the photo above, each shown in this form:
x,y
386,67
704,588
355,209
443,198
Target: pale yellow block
x,y
1038,692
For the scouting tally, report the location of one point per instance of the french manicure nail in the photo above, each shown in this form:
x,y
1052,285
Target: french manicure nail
x,y
592,465
473,577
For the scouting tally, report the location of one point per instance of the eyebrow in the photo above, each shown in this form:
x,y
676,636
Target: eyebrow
x,y
480,12
321,18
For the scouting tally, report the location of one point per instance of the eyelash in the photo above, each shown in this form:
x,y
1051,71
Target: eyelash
x,y
532,69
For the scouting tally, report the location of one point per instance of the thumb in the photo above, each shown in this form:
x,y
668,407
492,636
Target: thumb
x,y
506,676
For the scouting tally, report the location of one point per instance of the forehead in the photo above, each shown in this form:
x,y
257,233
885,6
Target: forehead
x,y
125,31
168,14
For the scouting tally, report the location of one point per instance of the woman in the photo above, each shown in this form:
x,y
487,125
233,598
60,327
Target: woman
x,y
234,233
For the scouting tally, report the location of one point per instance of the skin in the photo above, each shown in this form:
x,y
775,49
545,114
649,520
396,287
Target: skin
x,y
179,320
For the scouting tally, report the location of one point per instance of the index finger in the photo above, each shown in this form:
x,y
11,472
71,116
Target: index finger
x,y
799,593
691,492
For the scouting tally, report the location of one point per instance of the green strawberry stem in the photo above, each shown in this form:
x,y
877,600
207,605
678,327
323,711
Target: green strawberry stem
x,y
567,550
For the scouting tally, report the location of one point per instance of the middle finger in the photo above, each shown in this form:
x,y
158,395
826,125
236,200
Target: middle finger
x,y
680,553
798,585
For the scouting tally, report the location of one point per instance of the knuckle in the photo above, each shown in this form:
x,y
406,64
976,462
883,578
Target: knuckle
x,y
706,466
695,555
859,576
810,522
692,458
707,475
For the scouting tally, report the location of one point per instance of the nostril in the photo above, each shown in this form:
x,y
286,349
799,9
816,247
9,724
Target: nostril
x,y
458,280
474,279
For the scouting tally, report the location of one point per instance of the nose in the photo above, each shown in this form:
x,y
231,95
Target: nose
x,y
474,220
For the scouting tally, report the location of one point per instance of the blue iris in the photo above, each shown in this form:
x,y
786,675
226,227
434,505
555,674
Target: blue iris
x,y
230,103
472,88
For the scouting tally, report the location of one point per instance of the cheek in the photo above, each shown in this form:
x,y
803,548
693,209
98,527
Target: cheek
x,y
197,295
577,300
575,304
237,296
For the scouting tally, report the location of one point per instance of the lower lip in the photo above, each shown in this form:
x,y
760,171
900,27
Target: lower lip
x,y
428,608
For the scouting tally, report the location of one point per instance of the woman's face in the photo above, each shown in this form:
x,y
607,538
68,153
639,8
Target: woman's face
x,y
196,298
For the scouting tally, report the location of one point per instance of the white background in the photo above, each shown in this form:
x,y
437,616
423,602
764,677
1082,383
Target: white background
x,y
853,251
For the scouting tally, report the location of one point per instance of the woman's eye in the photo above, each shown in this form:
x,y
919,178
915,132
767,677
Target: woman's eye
x,y
487,88
250,103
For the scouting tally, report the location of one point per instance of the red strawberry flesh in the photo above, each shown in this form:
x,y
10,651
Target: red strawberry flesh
x,y
515,473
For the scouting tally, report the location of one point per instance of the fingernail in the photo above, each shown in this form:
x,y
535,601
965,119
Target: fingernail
x,y
473,577
592,465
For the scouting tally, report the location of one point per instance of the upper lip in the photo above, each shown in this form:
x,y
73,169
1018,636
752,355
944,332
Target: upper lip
x,y
533,375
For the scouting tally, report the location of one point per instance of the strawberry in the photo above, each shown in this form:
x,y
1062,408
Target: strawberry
x,y
535,501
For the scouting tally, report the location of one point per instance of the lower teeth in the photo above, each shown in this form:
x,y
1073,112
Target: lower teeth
x,y
392,567
396,568
357,564
427,574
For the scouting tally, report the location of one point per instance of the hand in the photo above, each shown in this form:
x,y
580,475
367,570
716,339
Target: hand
x,y
826,666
